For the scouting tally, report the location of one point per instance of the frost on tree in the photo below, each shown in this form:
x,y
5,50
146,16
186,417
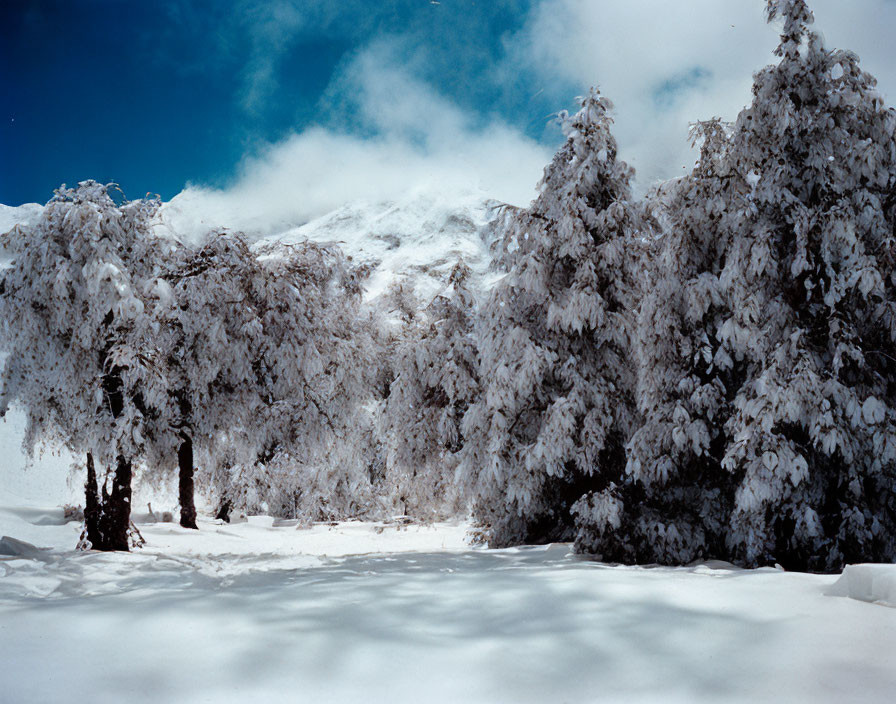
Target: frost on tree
x,y
556,405
436,380
768,373
270,364
71,303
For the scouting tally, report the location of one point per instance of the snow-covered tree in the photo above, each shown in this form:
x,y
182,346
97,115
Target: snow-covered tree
x,y
272,376
768,381
557,403
676,500
436,380
70,304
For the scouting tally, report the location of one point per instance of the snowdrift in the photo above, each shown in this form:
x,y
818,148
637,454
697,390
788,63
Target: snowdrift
x,y
875,584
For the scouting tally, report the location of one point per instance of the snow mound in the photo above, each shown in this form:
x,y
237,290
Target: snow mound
x,y
10,547
875,584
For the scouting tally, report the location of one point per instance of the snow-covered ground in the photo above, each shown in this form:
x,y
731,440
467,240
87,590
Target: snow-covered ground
x,y
261,611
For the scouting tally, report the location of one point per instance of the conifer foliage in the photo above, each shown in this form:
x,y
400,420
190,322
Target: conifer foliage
x,y
556,407
767,374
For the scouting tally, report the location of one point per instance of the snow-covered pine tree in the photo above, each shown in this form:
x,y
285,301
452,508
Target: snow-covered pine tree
x,y
680,499
812,282
557,403
436,380
768,379
70,304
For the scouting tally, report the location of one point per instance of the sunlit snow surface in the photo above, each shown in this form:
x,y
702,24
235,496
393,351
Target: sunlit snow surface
x,y
257,611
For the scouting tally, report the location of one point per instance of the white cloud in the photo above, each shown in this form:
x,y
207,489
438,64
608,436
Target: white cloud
x,y
419,141
633,50
271,29
663,64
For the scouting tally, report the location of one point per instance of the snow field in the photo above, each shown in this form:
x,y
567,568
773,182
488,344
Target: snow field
x,y
353,612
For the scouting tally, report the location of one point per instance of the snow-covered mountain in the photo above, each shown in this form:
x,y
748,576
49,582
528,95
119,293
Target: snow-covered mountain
x,y
11,216
418,238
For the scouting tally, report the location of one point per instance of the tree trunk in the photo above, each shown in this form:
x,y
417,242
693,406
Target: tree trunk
x,y
185,483
119,505
224,511
92,504
107,516
113,510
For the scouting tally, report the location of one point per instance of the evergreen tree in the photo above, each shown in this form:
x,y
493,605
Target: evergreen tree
x,y
556,407
767,375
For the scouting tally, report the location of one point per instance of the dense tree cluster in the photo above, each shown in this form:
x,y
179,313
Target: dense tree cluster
x,y
146,354
760,324
766,341
705,372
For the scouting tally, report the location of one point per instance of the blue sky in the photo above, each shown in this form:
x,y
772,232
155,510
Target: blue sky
x,y
156,94
245,98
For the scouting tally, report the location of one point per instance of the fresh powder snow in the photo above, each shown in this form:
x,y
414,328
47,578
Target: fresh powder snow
x,y
390,613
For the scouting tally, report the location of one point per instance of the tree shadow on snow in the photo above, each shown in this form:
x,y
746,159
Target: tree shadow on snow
x,y
525,616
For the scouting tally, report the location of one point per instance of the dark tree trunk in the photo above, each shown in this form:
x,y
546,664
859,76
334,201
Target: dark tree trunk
x,y
110,512
118,506
224,511
107,516
185,483
92,504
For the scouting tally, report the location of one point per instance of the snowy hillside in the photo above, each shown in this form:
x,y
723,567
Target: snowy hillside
x,y
420,236
11,216
20,215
